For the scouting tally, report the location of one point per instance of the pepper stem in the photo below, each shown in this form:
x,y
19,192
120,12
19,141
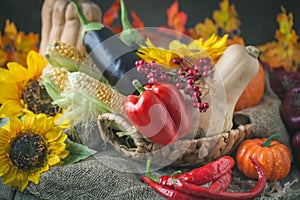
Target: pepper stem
x,y
86,25
138,86
269,140
148,172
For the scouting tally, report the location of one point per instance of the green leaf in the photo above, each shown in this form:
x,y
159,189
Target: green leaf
x,y
77,153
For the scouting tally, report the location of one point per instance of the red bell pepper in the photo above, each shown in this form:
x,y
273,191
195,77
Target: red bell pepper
x,y
159,113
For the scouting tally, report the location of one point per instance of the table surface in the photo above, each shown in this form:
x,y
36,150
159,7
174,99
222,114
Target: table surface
x,y
9,193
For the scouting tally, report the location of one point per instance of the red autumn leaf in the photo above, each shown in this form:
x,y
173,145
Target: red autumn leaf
x,y
137,22
176,19
111,14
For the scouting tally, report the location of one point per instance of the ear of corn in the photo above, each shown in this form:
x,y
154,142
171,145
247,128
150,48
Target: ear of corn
x,y
101,91
63,55
80,81
67,51
59,77
71,70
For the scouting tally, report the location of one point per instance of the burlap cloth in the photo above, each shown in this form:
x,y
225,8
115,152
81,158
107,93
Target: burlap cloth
x,y
103,177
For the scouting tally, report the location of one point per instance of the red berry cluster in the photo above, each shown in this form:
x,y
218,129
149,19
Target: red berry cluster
x,y
186,78
154,72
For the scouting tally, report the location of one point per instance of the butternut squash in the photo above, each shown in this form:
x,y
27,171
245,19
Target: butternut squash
x,y
232,73
60,22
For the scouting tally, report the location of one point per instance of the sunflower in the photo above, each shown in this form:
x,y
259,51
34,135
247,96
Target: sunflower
x,y
21,90
212,47
29,147
160,55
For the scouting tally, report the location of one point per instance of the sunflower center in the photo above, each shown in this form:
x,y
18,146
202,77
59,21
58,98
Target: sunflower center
x,y
28,151
36,98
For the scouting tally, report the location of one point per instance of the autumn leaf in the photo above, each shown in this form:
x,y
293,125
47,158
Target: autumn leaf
x,y
137,22
111,14
10,30
206,29
176,20
14,45
226,17
25,43
3,57
236,40
1,42
224,21
285,50
286,33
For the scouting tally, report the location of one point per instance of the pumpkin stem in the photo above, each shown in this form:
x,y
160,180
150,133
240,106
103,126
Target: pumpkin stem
x,y
252,51
269,140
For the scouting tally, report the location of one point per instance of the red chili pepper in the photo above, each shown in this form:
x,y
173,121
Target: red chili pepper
x,y
159,113
167,192
211,172
222,183
202,175
202,192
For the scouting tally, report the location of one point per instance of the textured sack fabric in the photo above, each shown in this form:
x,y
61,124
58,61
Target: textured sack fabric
x,y
103,177
265,117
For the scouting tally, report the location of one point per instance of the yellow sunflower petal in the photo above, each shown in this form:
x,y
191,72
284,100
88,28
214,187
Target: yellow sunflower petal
x,y
211,40
43,124
149,43
11,108
9,91
22,181
221,43
62,138
194,45
4,137
15,125
5,75
44,169
4,164
53,135
176,45
17,72
10,175
56,147
53,159
64,154
34,177
36,63
28,120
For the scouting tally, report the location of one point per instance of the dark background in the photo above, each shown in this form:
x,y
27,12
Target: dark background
x,y
258,17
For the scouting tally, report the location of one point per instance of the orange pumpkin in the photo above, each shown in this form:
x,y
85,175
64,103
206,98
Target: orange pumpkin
x,y
274,156
254,92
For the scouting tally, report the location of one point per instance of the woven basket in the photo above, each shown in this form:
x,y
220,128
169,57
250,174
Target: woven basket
x,y
185,152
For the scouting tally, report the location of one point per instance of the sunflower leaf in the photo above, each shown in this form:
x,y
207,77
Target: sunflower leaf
x,y
77,152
